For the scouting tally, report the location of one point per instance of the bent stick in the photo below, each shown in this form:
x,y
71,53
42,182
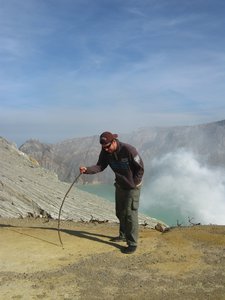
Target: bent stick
x,y
60,210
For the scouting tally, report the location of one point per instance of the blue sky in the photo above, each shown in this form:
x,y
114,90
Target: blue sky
x,y
72,68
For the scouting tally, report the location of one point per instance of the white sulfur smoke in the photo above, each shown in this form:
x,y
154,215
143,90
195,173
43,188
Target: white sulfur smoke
x,y
179,187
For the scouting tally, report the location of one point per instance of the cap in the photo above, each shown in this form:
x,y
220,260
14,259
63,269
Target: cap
x,y
107,137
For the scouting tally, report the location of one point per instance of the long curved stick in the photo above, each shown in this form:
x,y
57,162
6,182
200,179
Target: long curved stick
x,y
60,210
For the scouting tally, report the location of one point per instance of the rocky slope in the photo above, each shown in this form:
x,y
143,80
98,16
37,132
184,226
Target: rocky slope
x,y
207,141
26,189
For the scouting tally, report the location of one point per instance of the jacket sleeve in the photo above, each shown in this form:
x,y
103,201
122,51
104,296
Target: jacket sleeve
x,y
138,168
102,163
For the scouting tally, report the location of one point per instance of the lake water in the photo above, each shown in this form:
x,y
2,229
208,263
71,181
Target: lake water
x,y
168,214
177,187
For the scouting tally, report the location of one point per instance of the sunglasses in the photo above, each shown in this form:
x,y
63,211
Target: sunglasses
x,y
107,147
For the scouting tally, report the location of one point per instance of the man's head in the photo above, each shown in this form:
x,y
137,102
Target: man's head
x,y
108,141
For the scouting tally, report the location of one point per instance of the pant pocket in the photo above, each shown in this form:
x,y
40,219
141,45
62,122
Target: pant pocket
x,y
135,204
135,198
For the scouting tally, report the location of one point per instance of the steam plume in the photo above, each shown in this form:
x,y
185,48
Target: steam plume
x,y
180,187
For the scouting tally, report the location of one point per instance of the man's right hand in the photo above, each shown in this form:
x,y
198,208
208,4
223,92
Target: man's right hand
x,y
83,169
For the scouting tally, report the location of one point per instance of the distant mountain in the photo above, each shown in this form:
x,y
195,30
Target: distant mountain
x,y
207,141
28,190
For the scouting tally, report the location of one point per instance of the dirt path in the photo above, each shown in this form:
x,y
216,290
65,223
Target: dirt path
x,y
185,263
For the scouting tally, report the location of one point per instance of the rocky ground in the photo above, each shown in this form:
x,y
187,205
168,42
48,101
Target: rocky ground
x,y
183,263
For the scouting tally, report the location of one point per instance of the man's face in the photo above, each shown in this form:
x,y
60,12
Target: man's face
x,y
111,147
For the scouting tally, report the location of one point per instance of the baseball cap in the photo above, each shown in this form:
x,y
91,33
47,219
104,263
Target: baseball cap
x,y
107,137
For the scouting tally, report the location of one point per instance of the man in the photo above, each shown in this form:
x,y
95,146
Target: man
x,y
128,167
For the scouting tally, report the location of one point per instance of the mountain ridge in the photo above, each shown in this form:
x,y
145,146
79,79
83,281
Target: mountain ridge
x,y
207,141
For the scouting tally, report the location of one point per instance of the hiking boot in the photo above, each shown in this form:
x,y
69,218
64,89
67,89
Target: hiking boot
x,y
118,239
129,250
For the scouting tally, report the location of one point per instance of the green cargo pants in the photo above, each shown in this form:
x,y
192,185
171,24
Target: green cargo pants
x,y
127,203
